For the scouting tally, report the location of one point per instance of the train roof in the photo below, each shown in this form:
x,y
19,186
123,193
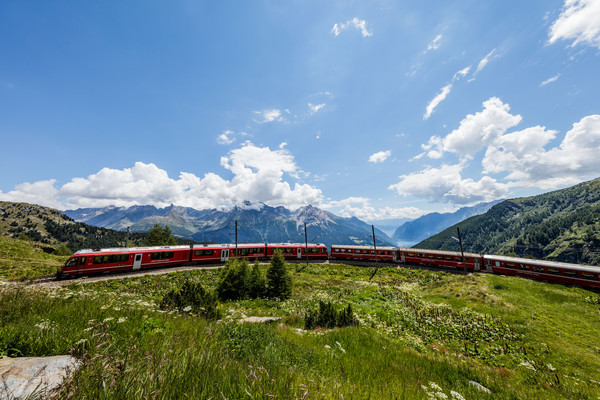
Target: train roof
x,y
130,249
442,252
354,246
227,245
544,263
294,244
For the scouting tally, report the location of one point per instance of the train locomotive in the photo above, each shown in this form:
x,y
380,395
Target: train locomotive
x,y
86,262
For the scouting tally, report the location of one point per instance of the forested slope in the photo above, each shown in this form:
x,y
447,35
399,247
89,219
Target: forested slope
x,y
563,225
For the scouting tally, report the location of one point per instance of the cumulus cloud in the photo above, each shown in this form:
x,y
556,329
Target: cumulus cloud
x,y
360,207
269,115
523,155
437,100
225,137
258,176
579,22
356,23
446,184
550,80
475,131
380,156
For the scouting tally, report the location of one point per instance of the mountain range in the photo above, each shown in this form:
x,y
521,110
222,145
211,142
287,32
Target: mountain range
x,y
563,225
430,224
256,223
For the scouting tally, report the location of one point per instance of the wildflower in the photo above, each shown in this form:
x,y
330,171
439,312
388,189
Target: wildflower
x,y
551,367
107,319
340,346
327,346
121,320
456,395
80,342
187,309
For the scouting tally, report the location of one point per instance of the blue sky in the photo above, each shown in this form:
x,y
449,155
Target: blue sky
x,y
377,109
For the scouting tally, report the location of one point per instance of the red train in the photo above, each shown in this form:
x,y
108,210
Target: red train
x,y
86,262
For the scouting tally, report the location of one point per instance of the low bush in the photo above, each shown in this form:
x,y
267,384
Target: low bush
x,y
192,297
328,317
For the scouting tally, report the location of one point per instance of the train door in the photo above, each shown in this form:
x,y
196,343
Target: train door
x,y
488,264
394,255
137,262
224,255
402,256
477,265
299,253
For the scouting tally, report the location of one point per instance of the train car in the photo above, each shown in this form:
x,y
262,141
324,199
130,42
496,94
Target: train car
x,y
222,252
573,274
365,253
297,251
440,258
95,261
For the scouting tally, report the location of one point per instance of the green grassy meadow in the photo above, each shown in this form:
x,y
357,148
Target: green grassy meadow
x,y
421,334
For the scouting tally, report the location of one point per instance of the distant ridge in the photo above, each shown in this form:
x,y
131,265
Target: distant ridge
x,y
257,222
563,225
430,224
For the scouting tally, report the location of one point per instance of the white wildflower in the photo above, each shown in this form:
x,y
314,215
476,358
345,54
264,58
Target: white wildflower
x,y
340,346
435,386
121,320
107,319
456,395
551,367
117,308
80,342
527,365
328,347
187,308
104,307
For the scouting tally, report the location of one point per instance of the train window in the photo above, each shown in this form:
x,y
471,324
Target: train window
x,y
449,258
588,275
111,258
430,256
72,262
538,269
198,253
497,263
524,267
81,260
358,251
343,250
161,255
569,272
410,254
510,265
421,255
440,257
337,250
554,271
467,259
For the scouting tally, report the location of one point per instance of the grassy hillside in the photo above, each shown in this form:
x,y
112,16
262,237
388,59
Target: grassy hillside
x,y
56,233
563,225
21,259
421,334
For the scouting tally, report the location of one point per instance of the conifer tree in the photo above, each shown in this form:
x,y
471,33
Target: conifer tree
x,y
279,280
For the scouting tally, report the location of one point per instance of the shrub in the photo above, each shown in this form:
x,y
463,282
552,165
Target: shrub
x,y
233,284
279,280
257,283
192,297
328,317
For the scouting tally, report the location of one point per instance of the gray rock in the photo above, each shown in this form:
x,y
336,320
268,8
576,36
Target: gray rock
x,y
260,319
27,376
480,386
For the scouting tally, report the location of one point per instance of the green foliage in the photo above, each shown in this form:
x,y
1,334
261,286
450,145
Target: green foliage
x,y
62,251
233,283
279,279
563,226
328,317
160,236
257,282
192,297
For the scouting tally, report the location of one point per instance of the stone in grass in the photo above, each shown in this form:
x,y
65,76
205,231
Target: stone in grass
x,y
255,320
25,377
480,386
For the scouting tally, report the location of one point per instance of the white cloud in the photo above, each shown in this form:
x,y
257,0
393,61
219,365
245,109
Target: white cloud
x,y
360,207
258,176
579,22
380,156
269,116
482,64
445,184
359,24
435,43
41,192
475,131
550,80
314,108
437,100
461,74
523,155
225,137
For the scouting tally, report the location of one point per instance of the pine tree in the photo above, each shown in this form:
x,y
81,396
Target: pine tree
x,y
279,280
160,236
257,284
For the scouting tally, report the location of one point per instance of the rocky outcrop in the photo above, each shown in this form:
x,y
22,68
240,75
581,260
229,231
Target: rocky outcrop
x,y
32,376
